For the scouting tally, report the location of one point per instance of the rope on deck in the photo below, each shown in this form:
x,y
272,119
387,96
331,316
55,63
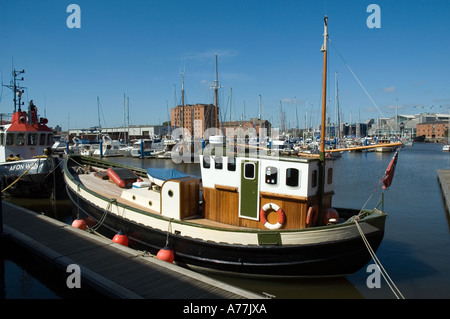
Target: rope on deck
x,y
384,273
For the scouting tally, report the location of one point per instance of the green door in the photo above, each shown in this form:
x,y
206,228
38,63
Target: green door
x,y
249,199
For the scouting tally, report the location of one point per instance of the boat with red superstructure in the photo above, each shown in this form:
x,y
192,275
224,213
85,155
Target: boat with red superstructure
x,y
26,165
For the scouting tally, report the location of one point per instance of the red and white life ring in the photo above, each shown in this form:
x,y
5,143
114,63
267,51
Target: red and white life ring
x,y
312,215
280,212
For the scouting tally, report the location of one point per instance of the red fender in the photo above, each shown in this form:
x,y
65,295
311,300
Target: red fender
x,y
312,215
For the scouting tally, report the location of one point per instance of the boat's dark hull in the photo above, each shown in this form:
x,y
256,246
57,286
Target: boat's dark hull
x,y
338,258
29,178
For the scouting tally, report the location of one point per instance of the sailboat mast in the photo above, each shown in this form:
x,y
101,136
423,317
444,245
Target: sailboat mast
x,y
98,111
324,89
128,120
182,100
337,132
216,94
231,91
321,189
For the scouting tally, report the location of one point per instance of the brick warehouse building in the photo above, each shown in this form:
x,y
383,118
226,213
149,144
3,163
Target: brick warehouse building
x,y
433,129
197,118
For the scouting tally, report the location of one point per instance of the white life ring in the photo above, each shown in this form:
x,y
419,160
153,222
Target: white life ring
x,y
280,212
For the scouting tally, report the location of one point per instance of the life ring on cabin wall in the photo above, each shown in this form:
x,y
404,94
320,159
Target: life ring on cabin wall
x,y
280,212
312,215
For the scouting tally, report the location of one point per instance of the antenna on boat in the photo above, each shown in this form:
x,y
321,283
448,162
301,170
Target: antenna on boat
x,y
18,90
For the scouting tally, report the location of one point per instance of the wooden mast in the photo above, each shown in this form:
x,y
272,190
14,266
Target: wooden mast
x,y
323,128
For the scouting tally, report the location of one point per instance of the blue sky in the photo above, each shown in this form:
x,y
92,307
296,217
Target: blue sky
x,y
267,48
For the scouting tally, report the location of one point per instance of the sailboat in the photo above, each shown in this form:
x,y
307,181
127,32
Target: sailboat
x,y
248,214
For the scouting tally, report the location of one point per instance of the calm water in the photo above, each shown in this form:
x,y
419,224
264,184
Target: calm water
x,y
414,251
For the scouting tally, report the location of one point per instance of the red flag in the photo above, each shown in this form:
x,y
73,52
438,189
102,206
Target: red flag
x,y
387,180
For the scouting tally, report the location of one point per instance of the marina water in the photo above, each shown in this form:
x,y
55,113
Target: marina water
x,y
414,251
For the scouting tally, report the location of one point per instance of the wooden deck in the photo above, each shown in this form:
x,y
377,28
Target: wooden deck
x,y
110,190
113,270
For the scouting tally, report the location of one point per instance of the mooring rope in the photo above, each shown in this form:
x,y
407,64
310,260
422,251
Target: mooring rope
x,y
384,273
20,176
105,213
169,230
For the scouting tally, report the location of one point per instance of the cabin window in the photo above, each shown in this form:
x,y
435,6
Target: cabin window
x,y
206,162
292,177
9,139
330,175
271,175
314,178
42,139
218,163
32,139
231,165
20,140
2,136
249,170
50,139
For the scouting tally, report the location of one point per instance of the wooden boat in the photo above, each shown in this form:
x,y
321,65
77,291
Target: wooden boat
x,y
249,214
384,145
26,164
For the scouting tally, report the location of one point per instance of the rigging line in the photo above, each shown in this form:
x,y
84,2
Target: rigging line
x,y
376,187
371,195
359,82
53,170
383,271
1,93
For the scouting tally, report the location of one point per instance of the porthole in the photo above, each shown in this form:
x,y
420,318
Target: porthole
x,y
150,203
170,193
134,197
